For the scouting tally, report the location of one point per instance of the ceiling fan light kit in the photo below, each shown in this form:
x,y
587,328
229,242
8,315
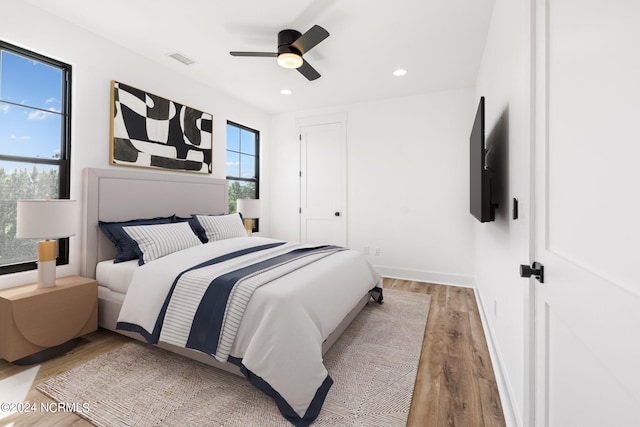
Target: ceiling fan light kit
x,y
290,60
291,47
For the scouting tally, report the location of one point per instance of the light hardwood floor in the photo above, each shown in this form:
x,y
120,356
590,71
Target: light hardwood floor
x,y
455,384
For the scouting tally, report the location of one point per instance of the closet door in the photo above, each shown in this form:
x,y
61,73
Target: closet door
x,y
323,183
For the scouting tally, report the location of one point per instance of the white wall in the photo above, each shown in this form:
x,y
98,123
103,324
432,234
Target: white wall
x,y
407,183
501,246
95,63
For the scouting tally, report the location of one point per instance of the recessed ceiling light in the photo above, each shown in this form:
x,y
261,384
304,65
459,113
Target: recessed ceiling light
x,y
400,72
286,92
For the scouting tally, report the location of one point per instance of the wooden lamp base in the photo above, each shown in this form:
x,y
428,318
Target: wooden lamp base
x,y
248,225
47,263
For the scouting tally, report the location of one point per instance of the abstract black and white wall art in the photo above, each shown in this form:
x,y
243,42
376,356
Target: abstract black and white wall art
x,y
150,131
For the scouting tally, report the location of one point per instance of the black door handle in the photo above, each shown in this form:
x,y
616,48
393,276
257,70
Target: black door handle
x,y
337,214
536,270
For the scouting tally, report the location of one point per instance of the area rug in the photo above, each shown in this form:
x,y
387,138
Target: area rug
x,y
373,365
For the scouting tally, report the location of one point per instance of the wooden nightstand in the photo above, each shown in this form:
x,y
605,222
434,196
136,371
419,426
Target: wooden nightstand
x,y
37,324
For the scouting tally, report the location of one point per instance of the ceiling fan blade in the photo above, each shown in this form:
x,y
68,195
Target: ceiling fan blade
x,y
308,71
310,39
260,54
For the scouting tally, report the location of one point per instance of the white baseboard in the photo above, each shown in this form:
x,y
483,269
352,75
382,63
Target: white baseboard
x,y
426,276
509,408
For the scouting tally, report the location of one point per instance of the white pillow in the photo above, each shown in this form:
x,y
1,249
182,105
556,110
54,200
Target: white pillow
x,y
220,227
158,240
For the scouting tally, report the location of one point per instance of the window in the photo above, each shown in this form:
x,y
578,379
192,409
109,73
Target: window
x,y
34,145
243,148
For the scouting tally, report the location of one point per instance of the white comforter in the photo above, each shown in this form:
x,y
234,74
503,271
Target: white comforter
x,y
281,334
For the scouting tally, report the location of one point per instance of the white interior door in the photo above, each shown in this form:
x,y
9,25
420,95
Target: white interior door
x,y
587,212
323,184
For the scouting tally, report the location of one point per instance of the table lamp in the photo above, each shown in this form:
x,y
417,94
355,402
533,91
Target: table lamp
x,y
250,210
47,219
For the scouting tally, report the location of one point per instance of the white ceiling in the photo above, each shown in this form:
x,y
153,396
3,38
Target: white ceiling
x,y
439,42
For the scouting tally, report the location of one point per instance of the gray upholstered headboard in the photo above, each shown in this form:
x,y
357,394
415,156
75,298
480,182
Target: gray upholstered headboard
x,y
120,195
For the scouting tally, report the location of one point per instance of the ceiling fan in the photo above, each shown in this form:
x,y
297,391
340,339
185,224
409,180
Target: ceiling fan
x,y
292,45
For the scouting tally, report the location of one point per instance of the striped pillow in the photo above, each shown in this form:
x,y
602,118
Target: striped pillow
x,y
220,227
156,241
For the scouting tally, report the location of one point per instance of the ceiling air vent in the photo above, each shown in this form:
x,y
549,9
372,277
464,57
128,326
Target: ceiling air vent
x,y
182,58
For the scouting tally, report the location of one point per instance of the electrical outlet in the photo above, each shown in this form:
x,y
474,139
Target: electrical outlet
x,y
377,252
366,250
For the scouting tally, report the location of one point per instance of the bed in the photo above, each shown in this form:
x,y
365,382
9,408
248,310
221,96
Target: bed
x,y
329,285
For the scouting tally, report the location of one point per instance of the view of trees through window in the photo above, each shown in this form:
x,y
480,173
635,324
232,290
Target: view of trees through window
x,y
242,165
21,183
34,145
240,190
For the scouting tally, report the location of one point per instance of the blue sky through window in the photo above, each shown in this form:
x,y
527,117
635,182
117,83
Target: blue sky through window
x,y
30,107
241,152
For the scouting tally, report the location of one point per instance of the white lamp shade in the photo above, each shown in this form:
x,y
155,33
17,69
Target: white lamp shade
x,y
249,208
46,219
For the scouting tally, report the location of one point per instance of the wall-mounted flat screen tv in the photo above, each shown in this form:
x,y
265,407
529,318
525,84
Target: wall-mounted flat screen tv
x,y
480,176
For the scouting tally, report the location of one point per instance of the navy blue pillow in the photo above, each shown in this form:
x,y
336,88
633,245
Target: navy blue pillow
x,y
124,244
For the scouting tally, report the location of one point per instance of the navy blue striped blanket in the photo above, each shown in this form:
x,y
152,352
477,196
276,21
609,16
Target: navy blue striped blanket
x,y
220,305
